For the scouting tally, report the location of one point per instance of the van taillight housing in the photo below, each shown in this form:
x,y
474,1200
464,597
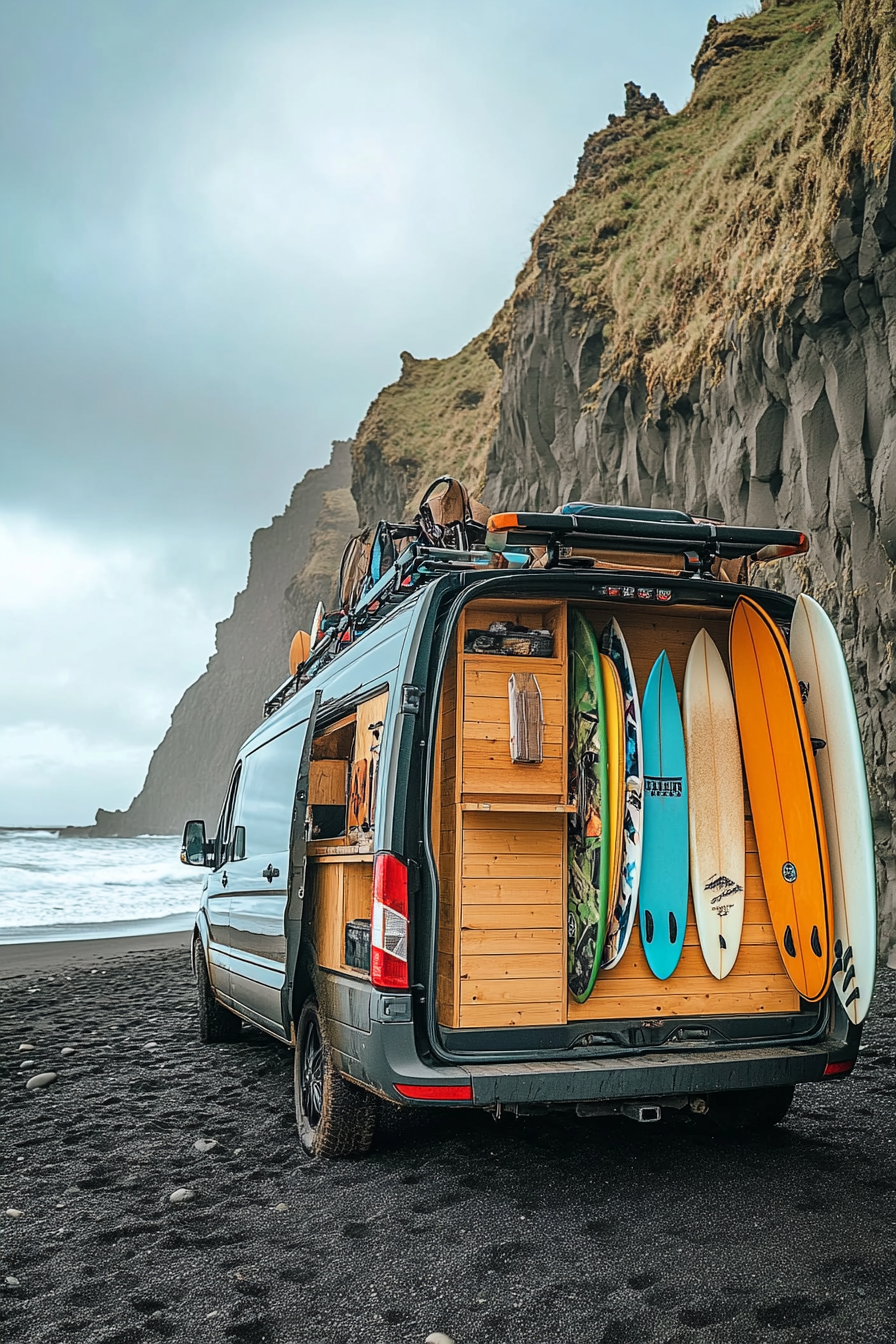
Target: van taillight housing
x,y
389,923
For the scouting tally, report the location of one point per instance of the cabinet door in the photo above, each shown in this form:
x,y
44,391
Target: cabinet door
x,y
487,765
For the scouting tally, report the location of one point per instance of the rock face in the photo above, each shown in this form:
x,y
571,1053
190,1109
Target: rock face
x,y
800,431
190,768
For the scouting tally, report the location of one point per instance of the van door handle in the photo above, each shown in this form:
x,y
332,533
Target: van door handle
x,y
270,873
224,879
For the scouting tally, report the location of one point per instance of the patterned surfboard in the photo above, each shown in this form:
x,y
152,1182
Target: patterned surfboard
x,y
588,853
621,918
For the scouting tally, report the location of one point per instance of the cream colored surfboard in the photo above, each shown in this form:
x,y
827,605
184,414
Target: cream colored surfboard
x,y
830,709
715,805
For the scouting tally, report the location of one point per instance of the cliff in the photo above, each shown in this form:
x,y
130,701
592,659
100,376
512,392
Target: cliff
x,y
707,319
291,567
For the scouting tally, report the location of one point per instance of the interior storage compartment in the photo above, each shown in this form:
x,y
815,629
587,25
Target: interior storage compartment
x,y
342,795
500,836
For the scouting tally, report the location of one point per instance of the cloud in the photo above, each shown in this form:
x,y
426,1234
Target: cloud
x,y
99,642
220,223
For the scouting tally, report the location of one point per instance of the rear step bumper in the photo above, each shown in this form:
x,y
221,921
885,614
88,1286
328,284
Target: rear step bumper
x,y
658,1075
386,1059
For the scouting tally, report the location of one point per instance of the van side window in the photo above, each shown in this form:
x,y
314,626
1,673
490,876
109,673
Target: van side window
x,y
268,791
225,823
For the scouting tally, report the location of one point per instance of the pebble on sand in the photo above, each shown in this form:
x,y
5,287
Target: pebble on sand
x,y
11,1281
26,1047
40,1080
181,1196
438,1338
279,1208
205,1145
14,1213
67,1050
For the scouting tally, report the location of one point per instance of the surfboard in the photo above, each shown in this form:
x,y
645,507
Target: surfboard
x,y
588,852
785,797
831,714
715,805
621,916
614,707
663,896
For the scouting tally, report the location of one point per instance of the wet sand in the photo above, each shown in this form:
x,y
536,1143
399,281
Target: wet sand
x,y
521,1232
20,959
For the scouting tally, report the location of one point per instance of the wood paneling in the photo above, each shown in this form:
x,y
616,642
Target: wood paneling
x,y
502,850
341,892
328,783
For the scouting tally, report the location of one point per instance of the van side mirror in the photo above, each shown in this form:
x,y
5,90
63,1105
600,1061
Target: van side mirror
x,y
238,843
194,846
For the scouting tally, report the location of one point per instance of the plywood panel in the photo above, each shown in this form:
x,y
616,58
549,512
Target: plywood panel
x,y
327,896
523,964
510,916
545,991
513,1015
515,891
508,942
328,783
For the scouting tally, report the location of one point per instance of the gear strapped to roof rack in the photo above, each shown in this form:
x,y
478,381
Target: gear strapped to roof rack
x,y
385,564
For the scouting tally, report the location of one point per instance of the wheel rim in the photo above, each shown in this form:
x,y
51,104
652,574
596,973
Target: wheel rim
x,y
312,1079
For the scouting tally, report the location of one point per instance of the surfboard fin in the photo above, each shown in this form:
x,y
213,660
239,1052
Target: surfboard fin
x,y
816,941
788,942
852,998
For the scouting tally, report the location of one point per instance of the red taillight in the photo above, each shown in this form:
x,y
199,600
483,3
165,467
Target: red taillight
x,y
835,1069
418,1092
389,924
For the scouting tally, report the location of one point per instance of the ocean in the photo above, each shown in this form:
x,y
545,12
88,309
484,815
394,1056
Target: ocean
x,y
54,887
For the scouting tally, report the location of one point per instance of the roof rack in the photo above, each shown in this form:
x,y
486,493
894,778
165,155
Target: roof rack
x,y
510,540
605,527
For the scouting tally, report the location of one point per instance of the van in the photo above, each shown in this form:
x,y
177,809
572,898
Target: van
x,y
387,887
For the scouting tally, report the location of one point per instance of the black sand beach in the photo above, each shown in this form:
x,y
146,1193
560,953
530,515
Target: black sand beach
x,y
520,1232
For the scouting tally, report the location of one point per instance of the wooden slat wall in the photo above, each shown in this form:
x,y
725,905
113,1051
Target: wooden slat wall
x,y
758,982
512,919
502,939
487,767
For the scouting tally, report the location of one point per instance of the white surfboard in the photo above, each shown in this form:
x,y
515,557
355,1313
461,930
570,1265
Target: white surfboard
x,y
831,711
715,805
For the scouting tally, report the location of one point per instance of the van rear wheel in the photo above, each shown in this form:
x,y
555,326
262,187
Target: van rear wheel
x,y
216,1023
335,1118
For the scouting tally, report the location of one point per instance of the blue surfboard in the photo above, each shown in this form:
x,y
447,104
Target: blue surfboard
x,y
663,896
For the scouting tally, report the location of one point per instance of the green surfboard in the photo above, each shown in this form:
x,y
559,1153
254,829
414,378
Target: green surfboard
x,y
587,856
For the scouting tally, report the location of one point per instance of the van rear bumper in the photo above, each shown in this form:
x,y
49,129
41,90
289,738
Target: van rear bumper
x,y
386,1058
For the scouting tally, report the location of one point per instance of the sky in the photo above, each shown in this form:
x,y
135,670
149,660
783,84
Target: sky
x,y
219,226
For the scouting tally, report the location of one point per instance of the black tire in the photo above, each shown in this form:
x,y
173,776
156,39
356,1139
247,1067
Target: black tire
x,y
757,1109
216,1023
335,1117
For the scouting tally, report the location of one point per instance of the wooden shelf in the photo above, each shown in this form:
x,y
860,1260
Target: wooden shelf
x,y
502,805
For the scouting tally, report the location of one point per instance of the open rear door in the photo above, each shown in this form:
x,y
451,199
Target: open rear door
x,y
295,899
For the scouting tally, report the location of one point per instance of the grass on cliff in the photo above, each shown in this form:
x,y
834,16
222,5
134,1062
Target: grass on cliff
x,y
724,210
437,418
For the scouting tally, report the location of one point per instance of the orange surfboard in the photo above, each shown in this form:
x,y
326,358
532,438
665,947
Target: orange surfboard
x,y
785,797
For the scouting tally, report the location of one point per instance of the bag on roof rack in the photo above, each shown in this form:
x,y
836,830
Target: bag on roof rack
x,y
453,519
